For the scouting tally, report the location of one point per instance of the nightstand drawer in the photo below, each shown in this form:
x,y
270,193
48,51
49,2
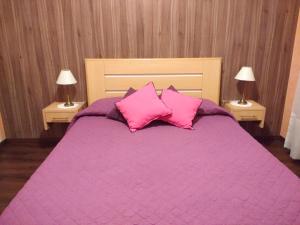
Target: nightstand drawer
x,y
254,112
249,115
54,113
59,117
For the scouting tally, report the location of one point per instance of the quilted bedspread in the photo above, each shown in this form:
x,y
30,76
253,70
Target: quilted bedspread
x,y
215,174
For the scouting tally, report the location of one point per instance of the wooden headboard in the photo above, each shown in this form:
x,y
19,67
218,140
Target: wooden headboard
x,y
199,77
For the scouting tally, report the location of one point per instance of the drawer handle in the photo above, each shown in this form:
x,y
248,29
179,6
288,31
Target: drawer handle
x,y
60,119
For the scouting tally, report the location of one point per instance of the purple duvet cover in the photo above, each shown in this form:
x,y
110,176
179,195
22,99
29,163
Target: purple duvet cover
x,y
101,173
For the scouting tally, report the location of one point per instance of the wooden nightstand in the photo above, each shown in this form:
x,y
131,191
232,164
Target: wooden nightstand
x,y
255,112
53,114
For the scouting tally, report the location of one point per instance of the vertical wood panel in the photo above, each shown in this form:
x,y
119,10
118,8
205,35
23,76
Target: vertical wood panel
x,y
39,37
2,132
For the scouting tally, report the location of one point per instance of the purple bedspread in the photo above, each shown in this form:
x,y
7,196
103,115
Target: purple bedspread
x,y
100,173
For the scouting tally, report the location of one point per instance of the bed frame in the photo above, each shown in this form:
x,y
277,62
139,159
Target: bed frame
x,y
198,77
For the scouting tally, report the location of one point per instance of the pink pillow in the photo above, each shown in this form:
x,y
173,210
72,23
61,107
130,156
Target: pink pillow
x,y
142,107
184,108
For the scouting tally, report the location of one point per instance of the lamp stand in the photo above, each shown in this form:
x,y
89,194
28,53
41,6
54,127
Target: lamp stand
x,y
243,101
68,102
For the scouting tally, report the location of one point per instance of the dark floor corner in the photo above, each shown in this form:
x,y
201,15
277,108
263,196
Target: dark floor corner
x,y
275,146
20,158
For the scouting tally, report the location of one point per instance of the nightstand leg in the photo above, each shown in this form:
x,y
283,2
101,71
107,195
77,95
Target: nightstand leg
x,y
261,124
46,126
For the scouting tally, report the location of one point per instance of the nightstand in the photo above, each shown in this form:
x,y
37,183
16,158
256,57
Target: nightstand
x,y
255,112
53,114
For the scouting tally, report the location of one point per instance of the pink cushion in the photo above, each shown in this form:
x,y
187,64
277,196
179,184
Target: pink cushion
x,y
142,107
184,108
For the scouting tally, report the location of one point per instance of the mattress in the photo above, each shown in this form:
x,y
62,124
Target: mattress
x,y
101,173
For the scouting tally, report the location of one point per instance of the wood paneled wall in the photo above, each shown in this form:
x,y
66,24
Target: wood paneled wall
x,y
39,37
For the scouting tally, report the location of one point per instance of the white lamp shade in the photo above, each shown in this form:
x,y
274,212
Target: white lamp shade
x,y
245,74
66,77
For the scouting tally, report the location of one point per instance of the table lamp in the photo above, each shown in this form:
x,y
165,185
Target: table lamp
x,y
245,74
66,77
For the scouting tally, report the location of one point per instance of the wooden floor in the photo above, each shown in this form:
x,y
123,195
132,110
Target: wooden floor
x,y
19,159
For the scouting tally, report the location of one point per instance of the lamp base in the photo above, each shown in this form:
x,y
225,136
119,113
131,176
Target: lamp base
x,y
62,106
236,103
69,104
242,102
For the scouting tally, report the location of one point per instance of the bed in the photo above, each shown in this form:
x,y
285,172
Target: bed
x,y
100,173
